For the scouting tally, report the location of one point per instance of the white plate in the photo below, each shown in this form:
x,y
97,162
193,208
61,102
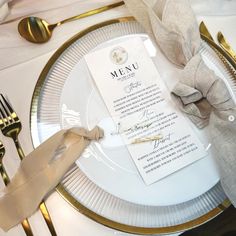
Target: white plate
x,y
109,184
108,163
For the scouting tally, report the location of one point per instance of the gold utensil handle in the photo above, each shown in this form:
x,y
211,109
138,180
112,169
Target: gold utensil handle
x,y
25,223
4,175
43,208
92,12
26,226
47,218
19,148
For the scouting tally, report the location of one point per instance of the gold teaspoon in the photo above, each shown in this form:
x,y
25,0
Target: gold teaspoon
x,y
37,30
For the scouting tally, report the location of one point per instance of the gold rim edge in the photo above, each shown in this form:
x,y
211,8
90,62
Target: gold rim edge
x,y
142,230
72,201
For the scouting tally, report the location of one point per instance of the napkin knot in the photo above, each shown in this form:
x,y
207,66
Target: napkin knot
x,y
95,134
201,91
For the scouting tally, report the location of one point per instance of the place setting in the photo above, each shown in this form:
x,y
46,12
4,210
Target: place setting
x,y
132,122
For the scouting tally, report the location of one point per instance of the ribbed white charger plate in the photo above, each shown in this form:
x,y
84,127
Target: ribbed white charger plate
x,y
76,187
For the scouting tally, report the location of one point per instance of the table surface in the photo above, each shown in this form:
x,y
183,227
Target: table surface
x,y
223,225
21,64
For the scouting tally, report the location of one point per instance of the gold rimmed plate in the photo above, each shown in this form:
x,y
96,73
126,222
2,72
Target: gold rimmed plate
x,y
56,105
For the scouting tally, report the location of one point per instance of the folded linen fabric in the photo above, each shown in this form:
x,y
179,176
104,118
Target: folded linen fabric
x,y
40,172
201,94
4,10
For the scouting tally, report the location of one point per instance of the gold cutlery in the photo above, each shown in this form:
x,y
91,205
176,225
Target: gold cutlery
x,y
10,126
204,31
37,30
225,45
25,224
3,172
223,56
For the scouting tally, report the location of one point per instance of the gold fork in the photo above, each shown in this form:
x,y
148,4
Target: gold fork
x,y
25,223
10,126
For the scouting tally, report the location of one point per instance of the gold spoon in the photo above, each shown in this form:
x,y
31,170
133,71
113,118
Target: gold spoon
x,y
37,30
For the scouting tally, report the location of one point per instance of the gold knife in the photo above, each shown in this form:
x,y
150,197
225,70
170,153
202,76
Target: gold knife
x,y
225,45
227,60
203,30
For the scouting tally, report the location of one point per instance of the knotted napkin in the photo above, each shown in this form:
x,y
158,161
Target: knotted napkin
x,y
200,93
40,172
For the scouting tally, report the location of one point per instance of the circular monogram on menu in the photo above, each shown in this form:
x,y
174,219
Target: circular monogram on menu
x,y
119,55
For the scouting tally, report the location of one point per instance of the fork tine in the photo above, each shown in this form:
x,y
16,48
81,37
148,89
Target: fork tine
x,y
7,104
6,111
5,119
2,115
10,114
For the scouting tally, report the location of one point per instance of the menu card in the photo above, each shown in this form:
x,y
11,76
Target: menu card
x,y
157,135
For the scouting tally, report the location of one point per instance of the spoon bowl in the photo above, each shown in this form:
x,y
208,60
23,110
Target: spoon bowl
x,y
37,30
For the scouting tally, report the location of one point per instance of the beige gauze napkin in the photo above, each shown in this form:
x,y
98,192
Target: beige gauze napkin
x,y
4,10
200,93
40,172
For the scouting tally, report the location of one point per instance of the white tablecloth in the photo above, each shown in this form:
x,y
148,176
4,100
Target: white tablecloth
x,y
20,65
